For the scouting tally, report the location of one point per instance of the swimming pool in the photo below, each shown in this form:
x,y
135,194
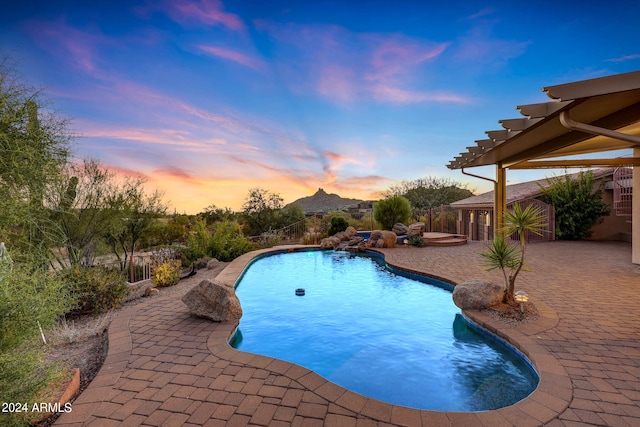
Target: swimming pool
x,y
376,333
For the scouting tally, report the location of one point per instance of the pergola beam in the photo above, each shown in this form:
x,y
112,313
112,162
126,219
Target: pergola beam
x,y
583,163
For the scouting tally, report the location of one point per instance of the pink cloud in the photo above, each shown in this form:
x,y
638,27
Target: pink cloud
x,y
483,12
176,173
401,96
336,157
479,48
345,66
392,56
210,12
76,46
233,55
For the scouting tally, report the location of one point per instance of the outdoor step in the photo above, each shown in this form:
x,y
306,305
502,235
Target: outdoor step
x,y
453,241
435,236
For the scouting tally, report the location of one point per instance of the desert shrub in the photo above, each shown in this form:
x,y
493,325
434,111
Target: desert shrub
x,y
166,272
416,241
97,289
578,206
199,241
269,239
338,224
28,297
228,242
392,210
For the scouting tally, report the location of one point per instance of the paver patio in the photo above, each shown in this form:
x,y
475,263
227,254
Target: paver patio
x,y
165,367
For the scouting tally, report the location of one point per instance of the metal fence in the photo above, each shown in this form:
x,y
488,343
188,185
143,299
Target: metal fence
x,y
136,268
443,219
293,232
477,224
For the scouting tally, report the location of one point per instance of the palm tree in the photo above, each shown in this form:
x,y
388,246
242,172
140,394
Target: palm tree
x,y
510,258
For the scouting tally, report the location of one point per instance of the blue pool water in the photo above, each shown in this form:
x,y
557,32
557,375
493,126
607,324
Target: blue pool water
x,y
376,333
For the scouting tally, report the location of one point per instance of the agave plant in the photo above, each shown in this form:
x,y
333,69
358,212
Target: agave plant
x,y
510,257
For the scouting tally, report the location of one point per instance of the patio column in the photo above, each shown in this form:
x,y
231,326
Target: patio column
x,y
635,212
499,200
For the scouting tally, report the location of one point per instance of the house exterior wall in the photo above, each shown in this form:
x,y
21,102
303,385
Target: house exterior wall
x,y
612,227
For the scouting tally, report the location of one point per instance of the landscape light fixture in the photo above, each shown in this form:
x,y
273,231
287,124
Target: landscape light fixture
x,y
521,297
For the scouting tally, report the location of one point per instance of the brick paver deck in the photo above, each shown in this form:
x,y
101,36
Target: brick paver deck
x,y
165,367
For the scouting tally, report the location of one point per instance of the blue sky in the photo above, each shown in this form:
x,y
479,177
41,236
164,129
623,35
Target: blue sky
x,y
209,98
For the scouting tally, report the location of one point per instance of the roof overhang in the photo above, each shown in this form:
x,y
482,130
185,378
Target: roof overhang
x,y
589,116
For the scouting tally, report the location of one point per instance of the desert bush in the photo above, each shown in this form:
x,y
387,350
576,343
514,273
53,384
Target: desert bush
x,y
228,242
416,241
269,239
338,224
199,241
166,273
392,210
29,298
578,204
97,289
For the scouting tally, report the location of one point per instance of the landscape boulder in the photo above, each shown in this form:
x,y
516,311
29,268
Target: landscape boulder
x,y
213,300
477,294
151,291
351,232
342,235
212,263
330,242
390,239
416,229
400,229
382,239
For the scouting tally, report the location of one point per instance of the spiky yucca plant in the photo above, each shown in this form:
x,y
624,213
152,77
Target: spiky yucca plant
x,y
510,258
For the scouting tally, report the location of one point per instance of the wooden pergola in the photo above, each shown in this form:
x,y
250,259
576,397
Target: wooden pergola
x,y
590,116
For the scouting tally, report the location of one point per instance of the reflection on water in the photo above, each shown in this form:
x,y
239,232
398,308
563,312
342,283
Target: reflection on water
x,y
376,333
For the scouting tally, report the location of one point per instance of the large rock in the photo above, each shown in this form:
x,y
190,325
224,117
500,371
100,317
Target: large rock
x,y
390,239
382,239
330,242
477,294
212,263
400,229
213,301
342,235
416,229
351,232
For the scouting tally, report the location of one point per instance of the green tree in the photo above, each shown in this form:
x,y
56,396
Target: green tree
x,y
79,209
260,210
430,192
34,147
288,215
212,214
578,204
133,212
392,210
510,258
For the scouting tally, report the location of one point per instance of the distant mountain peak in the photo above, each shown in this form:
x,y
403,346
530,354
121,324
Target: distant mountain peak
x,y
322,201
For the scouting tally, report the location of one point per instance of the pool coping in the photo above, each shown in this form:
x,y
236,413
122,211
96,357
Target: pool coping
x,y
547,402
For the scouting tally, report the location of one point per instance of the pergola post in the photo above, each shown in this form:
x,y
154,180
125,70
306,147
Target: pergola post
x,y
635,212
499,200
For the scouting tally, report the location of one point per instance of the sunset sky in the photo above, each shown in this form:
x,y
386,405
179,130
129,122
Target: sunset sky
x,y
209,98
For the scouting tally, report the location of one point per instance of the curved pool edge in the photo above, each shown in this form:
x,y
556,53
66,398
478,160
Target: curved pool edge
x,y
545,403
